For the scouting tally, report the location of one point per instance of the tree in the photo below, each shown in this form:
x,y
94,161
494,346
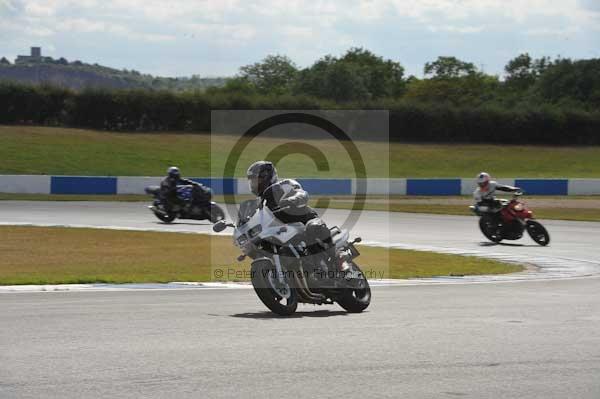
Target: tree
x,y
449,67
273,75
4,61
471,90
62,61
236,85
575,83
357,75
522,71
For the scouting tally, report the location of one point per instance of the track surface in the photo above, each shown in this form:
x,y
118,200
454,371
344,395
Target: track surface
x,y
522,340
535,339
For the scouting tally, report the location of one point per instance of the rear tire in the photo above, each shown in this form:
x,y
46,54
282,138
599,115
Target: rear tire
x,y
538,233
355,300
268,296
490,229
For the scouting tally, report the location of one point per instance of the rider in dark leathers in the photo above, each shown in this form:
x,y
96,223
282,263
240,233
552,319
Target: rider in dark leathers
x,y
286,199
168,189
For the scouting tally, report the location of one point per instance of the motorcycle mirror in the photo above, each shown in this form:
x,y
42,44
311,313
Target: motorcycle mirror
x,y
219,226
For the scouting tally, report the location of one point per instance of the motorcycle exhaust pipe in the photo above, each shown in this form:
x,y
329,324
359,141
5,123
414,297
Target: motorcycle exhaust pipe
x,y
303,288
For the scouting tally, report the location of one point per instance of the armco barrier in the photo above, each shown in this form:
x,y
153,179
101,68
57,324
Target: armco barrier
x,y
544,187
83,185
34,184
433,186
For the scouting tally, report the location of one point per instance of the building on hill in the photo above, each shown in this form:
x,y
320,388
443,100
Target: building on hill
x,y
35,57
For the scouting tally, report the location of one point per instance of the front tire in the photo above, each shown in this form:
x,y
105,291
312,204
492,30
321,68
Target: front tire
x,y
166,218
355,300
263,276
216,213
538,233
490,229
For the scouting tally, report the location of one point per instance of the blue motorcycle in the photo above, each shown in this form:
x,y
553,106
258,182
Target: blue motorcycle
x,y
184,208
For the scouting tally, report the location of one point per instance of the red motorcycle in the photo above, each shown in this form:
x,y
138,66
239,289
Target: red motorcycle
x,y
509,220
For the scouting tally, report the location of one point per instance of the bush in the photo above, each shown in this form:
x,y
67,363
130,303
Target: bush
x,y
141,110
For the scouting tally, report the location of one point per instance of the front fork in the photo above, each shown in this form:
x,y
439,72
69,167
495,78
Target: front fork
x,y
278,267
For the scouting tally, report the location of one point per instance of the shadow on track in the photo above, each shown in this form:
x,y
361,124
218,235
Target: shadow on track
x,y
505,244
270,315
184,223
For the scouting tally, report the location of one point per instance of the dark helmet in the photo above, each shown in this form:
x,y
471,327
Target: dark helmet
x,y
261,175
173,172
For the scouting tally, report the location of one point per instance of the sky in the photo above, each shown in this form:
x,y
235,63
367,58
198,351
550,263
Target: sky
x,y
215,38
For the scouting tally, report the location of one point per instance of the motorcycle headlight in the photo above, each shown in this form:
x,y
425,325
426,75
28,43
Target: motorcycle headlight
x,y
253,232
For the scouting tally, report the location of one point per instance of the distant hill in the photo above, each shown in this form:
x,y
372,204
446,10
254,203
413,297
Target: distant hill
x,y
78,75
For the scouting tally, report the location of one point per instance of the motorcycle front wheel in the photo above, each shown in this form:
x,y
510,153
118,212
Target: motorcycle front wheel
x,y
165,217
355,300
280,298
216,213
538,233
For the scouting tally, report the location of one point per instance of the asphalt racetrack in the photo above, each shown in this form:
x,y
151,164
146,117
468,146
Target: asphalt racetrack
x,y
536,335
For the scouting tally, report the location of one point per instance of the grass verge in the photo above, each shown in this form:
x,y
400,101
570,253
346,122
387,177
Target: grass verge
x,y
40,255
65,151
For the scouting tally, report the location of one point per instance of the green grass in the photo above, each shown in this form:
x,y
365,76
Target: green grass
x,y
63,151
66,256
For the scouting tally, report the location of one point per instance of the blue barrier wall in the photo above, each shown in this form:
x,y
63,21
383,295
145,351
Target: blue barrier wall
x,y
543,186
327,186
83,185
219,185
433,186
135,185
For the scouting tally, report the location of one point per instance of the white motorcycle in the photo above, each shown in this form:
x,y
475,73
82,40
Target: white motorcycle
x,y
289,267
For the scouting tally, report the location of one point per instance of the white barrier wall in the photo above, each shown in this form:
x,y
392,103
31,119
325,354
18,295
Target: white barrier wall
x,y
584,186
24,184
381,186
36,184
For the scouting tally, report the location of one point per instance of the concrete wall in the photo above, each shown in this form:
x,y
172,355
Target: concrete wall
x,y
135,185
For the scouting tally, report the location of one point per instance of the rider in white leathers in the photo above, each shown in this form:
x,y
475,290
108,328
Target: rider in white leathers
x,y
287,198
484,195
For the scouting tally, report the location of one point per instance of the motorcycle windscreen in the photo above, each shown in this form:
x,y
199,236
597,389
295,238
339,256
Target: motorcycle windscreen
x,y
247,209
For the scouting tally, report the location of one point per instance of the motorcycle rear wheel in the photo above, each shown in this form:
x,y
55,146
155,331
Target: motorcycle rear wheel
x,y
538,233
269,295
355,300
489,228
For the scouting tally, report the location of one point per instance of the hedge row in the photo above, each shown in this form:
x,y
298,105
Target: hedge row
x,y
137,110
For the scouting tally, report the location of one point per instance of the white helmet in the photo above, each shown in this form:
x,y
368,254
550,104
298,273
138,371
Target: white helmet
x,y
483,179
